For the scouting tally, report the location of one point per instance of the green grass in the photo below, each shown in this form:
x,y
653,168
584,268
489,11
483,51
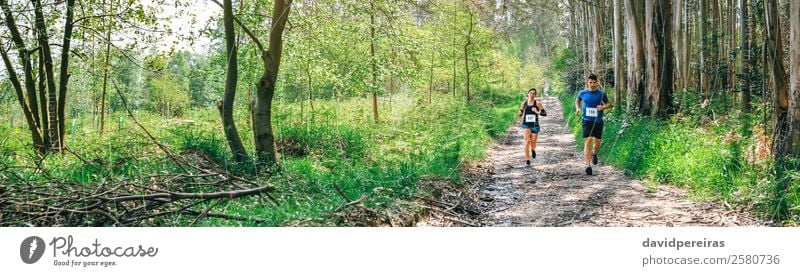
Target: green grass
x,y
701,151
382,160
337,144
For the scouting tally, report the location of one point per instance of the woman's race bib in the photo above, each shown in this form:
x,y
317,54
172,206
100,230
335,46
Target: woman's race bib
x,y
591,112
530,118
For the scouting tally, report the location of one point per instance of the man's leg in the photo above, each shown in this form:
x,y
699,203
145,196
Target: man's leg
x,y
596,145
587,150
587,145
597,133
595,151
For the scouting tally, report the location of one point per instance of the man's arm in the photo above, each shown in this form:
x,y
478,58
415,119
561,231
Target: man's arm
x,y
606,104
578,106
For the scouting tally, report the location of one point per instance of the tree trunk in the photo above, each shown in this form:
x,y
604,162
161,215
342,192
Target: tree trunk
x,y
731,48
572,19
231,78
591,36
780,118
373,62
265,89
64,73
687,48
588,59
677,45
105,80
703,51
454,51
52,101
746,55
598,34
466,53
636,59
45,123
619,79
714,59
794,77
659,70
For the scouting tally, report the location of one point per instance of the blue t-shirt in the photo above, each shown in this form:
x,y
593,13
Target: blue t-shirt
x,y
591,100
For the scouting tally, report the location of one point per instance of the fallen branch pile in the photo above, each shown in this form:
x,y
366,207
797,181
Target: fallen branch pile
x,y
173,199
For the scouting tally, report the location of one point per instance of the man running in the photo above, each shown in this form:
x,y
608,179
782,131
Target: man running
x,y
530,110
594,102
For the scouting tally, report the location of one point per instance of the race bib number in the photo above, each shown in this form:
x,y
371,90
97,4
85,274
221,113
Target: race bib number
x,y
591,112
530,118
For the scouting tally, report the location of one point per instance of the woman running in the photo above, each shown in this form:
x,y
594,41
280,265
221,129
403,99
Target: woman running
x,y
530,110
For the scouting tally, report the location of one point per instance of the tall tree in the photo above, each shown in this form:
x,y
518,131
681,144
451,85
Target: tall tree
x,y
600,25
781,145
713,49
373,61
105,74
731,46
659,70
687,48
702,16
49,77
47,130
596,29
573,16
619,79
746,54
466,50
636,60
794,76
677,45
231,79
265,88
586,20
261,105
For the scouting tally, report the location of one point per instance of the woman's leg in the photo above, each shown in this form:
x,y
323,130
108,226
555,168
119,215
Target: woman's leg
x,y
526,133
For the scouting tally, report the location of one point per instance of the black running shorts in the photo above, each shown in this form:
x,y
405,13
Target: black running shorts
x,y
593,129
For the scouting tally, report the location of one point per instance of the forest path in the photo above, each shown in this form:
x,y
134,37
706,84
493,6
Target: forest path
x,y
555,190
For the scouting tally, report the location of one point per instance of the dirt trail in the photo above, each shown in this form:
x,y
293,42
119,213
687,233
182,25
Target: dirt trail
x,y
555,191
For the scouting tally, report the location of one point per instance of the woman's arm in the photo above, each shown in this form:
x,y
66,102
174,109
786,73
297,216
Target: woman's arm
x,y
542,112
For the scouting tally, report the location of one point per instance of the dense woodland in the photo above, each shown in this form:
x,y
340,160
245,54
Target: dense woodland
x,y
324,112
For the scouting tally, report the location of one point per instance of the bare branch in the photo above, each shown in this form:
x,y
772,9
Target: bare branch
x,y
170,196
245,29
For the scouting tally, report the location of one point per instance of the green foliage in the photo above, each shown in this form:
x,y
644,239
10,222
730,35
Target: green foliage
x,y
168,96
566,66
384,160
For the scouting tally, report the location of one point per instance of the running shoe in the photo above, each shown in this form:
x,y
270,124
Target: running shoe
x,y
589,170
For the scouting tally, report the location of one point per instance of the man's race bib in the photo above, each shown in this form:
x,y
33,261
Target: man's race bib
x,y
591,112
531,118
